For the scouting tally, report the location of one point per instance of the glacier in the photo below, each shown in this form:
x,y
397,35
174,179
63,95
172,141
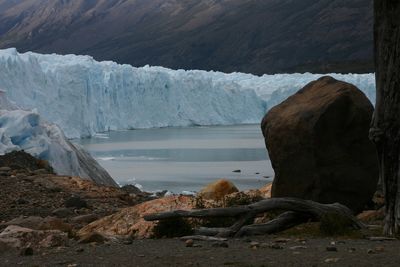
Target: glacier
x,y
26,130
85,97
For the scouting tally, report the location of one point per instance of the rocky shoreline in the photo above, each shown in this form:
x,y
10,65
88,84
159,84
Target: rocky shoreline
x,y
50,220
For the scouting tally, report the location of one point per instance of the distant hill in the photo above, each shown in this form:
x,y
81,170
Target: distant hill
x,y
256,36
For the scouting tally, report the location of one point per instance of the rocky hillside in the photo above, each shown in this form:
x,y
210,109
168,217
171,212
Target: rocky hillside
x,y
257,36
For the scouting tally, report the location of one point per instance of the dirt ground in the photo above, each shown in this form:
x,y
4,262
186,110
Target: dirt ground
x,y
173,252
27,190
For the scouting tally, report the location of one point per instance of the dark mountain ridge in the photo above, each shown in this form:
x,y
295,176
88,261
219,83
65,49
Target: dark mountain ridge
x,y
256,36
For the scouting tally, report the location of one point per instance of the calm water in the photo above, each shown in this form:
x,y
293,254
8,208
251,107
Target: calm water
x,y
183,159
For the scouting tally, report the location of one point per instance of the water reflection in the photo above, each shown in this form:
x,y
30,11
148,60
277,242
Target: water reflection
x,y
183,159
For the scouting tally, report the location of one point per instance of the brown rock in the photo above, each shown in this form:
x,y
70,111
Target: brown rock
x,y
371,215
85,219
266,190
18,237
189,243
32,222
218,190
62,212
51,223
130,222
39,223
243,198
93,237
318,144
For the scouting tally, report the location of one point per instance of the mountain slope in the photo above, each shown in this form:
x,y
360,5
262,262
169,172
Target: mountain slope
x,y
257,36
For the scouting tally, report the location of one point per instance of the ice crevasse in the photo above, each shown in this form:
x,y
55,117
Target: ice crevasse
x,y
84,96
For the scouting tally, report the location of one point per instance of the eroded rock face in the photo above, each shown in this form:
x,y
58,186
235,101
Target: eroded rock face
x,y
130,222
318,144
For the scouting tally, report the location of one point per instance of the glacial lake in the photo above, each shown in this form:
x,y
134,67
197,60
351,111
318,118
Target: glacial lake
x,y
184,159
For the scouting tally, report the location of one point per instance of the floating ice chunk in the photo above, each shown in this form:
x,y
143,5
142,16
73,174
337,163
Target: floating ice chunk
x,y
25,130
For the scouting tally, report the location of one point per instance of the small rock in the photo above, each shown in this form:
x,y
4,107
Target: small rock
x,y
127,242
62,213
381,238
161,193
189,243
332,260
376,250
26,251
93,238
21,201
281,240
254,244
85,219
351,250
80,250
220,245
51,223
298,247
40,171
332,249
131,189
276,246
76,202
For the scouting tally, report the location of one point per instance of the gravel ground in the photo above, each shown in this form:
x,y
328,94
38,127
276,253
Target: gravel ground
x,y
173,252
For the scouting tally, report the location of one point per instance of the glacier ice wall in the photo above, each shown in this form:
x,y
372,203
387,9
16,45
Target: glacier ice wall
x,y
26,130
84,96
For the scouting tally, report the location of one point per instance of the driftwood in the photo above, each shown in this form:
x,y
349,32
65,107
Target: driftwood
x,y
298,211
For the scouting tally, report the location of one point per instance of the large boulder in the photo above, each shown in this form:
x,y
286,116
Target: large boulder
x,y
18,237
318,143
130,222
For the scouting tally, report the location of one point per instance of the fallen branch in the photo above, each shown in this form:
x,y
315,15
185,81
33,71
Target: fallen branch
x,y
299,211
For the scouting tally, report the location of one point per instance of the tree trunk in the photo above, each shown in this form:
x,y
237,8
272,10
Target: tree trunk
x,y
385,130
